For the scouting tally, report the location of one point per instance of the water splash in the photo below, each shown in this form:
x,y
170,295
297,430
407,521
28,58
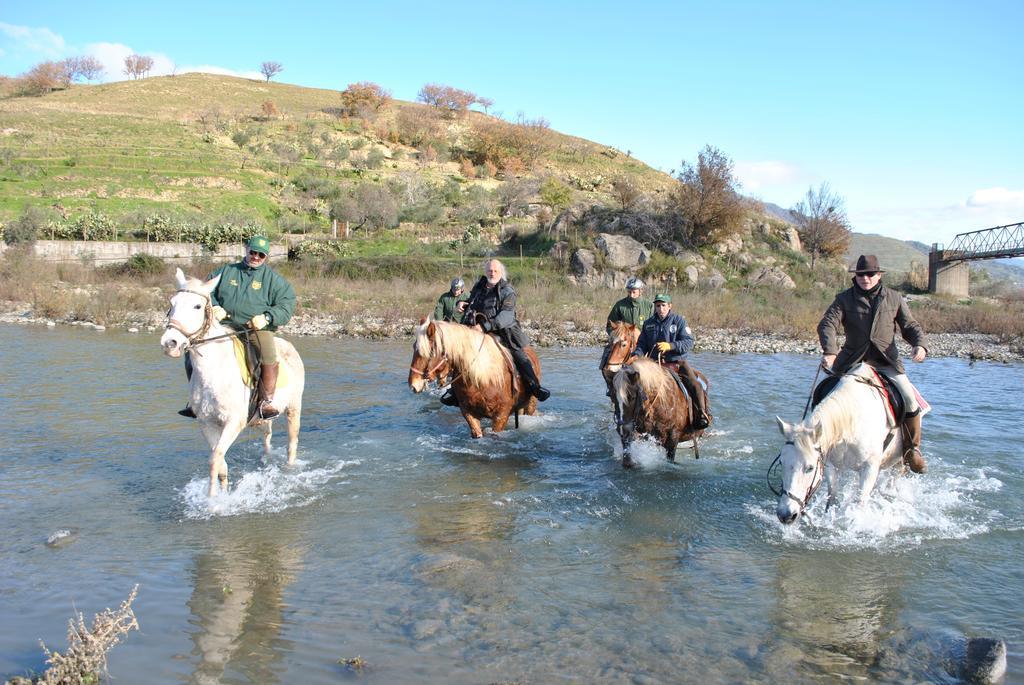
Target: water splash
x,y
267,490
902,512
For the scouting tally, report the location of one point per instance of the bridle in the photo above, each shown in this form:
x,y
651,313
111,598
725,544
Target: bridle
x,y
198,337
429,373
816,480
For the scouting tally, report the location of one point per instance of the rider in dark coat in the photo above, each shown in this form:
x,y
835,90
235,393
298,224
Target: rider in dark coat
x,y
669,334
492,306
870,314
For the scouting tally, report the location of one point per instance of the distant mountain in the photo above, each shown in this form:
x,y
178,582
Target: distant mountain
x,y
779,213
897,255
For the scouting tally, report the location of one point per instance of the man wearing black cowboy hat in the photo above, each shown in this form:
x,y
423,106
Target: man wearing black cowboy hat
x,y
870,314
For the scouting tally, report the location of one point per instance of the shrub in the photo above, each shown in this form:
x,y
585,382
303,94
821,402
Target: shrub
x,y
26,228
375,158
141,264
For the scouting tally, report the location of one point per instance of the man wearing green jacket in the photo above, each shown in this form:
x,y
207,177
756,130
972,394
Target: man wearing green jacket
x,y
447,304
252,296
632,309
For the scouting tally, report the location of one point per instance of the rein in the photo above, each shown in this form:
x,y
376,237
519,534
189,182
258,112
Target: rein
x,y
196,338
777,462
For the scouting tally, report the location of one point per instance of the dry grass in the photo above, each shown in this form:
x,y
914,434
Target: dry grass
x,y
85,660
80,292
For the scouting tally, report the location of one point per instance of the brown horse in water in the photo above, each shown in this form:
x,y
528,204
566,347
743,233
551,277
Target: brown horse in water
x,y
648,401
621,343
484,381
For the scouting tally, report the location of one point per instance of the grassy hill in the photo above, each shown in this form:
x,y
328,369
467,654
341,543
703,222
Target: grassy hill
x,y
213,145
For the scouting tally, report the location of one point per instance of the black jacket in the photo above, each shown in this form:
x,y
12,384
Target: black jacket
x,y
496,308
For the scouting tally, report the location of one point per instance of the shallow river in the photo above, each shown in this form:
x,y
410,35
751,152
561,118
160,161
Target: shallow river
x,y
527,557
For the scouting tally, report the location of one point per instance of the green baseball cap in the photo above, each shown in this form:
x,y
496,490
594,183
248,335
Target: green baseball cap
x,y
662,297
259,243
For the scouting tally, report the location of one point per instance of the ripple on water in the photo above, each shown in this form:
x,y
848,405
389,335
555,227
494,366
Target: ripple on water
x,y
902,512
267,490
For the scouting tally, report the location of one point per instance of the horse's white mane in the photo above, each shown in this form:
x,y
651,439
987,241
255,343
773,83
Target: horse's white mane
x,y
473,354
839,412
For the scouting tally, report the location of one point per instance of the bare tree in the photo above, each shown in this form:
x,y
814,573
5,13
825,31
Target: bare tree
x,y
44,78
271,69
707,198
452,101
137,66
364,99
822,223
83,67
625,190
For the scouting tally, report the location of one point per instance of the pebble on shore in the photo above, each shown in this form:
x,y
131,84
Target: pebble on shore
x,y
971,346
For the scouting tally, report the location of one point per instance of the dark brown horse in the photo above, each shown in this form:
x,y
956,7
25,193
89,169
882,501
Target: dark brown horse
x,y
621,343
484,380
648,401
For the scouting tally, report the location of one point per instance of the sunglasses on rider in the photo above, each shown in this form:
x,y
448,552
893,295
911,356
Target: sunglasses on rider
x,y
869,274
258,255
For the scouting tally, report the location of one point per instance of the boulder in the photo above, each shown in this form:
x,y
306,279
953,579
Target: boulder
x,y
622,252
791,236
729,245
559,251
772,277
692,275
581,263
563,222
714,280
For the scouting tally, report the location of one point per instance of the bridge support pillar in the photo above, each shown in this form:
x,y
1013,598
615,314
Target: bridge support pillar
x,y
948,278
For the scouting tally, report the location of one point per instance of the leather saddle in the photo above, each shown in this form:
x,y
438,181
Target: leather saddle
x,y
897,403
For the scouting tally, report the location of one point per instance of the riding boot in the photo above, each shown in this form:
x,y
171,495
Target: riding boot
x,y
912,456
529,376
449,399
187,412
268,384
701,419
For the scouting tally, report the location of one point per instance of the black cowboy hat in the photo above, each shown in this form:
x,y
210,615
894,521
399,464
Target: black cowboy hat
x,y
867,263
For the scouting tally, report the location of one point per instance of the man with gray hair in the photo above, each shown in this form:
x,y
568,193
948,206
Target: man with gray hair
x,y
492,306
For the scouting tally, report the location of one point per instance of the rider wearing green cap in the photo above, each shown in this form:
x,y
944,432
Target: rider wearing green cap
x,y
252,296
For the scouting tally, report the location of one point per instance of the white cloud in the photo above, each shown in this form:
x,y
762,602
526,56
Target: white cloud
x,y
996,197
40,42
212,69
984,208
766,175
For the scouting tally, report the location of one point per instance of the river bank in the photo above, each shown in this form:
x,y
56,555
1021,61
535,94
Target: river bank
x,y
973,346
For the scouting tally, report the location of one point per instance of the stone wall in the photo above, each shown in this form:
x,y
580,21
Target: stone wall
x,y
102,252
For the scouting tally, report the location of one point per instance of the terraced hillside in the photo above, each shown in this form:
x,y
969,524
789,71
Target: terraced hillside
x,y
220,145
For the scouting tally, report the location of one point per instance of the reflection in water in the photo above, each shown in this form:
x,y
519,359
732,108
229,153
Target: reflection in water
x,y
837,608
237,605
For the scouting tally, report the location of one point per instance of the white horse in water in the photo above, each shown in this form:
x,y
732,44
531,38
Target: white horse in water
x,y
218,394
848,430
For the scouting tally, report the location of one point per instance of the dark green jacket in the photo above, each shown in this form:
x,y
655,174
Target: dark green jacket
x,y
630,311
445,309
870,322
245,291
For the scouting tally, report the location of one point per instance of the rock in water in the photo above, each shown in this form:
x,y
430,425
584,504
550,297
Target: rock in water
x,y
985,661
60,538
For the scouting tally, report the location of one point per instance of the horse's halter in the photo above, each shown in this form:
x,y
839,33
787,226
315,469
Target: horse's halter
x,y
428,375
816,480
194,338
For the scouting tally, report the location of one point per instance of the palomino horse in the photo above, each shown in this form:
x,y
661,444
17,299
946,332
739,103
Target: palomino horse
x,y
850,429
218,394
485,385
648,400
621,343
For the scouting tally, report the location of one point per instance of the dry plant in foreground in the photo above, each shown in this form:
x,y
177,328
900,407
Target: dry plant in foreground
x,y
86,657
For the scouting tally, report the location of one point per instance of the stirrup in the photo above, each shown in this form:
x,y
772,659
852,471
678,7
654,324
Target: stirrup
x,y
267,411
187,412
541,393
700,421
449,399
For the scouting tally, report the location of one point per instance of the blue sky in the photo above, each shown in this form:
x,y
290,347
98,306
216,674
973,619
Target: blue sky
x,y
911,111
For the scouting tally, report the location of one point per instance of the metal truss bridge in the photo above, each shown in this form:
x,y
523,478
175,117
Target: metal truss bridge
x,y
947,266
